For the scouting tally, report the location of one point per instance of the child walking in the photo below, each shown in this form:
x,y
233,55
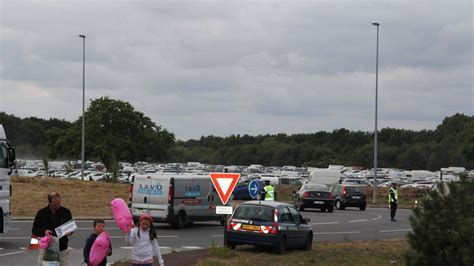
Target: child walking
x,y
99,226
145,243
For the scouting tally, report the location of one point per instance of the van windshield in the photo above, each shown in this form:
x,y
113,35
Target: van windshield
x,y
254,212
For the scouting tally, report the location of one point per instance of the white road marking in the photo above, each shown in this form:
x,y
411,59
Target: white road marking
x,y
192,247
337,233
217,235
395,230
324,223
356,221
377,218
11,253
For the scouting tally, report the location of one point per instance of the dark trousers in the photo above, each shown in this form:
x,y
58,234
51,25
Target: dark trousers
x,y
393,209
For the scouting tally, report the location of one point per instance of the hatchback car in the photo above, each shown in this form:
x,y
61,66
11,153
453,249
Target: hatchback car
x,y
348,196
268,223
312,195
241,191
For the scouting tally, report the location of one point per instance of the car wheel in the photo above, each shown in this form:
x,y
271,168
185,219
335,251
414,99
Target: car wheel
x,y
180,220
281,246
362,208
339,205
300,206
230,245
308,244
323,209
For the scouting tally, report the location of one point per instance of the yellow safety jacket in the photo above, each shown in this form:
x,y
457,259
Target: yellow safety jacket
x,y
395,193
270,193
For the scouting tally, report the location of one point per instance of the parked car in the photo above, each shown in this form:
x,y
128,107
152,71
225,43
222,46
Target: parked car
x,y
241,191
420,184
348,196
312,195
360,182
268,223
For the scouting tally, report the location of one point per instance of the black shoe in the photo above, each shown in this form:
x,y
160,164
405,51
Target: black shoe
x,y
393,220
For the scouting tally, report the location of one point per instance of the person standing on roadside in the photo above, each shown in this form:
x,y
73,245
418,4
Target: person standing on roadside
x,y
269,191
393,201
49,218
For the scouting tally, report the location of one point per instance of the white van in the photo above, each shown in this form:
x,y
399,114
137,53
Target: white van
x,y
175,199
325,176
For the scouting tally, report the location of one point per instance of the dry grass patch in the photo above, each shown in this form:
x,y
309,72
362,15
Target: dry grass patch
x,y
84,199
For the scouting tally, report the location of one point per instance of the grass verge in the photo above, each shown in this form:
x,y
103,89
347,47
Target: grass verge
x,y
356,253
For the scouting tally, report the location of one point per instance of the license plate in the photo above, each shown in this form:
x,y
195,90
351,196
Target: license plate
x,y
250,227
138,211
318,202
356,197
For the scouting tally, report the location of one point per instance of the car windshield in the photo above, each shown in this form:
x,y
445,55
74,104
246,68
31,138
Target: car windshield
x,y
316,187
254,212
354,189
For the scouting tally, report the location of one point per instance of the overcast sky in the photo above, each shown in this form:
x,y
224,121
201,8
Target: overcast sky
x,y
241,67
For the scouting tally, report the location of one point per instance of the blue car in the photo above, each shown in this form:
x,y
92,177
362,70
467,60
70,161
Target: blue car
x,y
268,223
241,191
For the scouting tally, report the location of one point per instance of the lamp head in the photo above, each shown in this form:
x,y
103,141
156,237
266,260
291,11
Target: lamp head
x,y
82,36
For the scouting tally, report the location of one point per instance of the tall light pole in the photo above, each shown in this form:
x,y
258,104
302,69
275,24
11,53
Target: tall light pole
x,y
83,102
374,199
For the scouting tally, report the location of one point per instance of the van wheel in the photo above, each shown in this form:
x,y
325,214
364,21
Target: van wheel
x,y
180,220
362,208
281,246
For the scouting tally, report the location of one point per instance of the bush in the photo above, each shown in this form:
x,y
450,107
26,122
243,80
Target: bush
x,y
443,226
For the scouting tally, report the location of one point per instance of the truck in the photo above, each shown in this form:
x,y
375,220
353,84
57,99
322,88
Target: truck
x,y
7,163
177,199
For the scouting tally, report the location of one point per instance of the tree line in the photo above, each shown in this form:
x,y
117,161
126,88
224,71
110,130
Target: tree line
x,y
115,131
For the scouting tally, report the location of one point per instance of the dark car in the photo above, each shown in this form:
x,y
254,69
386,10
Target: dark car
x,y
313,196
268,223
349,196
241,191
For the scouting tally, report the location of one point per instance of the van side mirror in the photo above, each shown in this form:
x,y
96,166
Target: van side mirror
x,y
11,157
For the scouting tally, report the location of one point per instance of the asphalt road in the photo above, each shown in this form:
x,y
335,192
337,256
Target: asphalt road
x,y
339,226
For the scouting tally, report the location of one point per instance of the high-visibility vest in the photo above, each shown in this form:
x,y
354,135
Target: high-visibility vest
x,y
270,193
395,193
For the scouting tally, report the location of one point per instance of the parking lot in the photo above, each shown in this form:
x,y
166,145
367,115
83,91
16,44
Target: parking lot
x,y
347,225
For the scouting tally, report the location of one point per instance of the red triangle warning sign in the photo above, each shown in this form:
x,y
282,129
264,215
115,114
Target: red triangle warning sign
x,y
224,184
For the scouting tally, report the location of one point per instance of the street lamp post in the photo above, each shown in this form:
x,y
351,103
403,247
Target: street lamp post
x,y
83,102
374,199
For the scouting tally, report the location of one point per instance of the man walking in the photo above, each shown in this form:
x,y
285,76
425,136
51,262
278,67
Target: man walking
x,y
393,201
49,218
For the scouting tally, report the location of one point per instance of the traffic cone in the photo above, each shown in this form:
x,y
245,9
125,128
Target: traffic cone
x,y
34,243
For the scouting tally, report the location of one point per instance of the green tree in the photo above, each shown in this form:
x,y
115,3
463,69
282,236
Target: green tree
x,y
443,226
115,132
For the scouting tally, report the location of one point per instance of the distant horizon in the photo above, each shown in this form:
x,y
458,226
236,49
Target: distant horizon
x,y
263,134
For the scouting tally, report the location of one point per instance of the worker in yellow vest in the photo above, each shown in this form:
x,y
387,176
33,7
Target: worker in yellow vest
x,y
269,191
393,201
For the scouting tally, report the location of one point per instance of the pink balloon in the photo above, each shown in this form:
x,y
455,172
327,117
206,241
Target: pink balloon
x,y
44,242
122,216
99,249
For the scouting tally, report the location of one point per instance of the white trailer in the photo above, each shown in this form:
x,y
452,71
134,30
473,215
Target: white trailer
x,y
7,162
